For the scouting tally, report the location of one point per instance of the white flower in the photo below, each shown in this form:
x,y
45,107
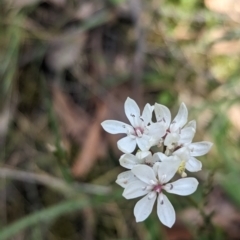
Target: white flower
x,y
141,133
129,160
188,153
151,182
176,133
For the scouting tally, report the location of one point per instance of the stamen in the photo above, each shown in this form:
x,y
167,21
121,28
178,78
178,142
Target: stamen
x,y
153,182
139,134
181,169
183,175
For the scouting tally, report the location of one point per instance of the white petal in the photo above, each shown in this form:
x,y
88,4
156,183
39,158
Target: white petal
x,y
162,156
156,130
144,207
199,148
167,170
129,160
171,139
162,114
192,124
183,153
144,173
135,189
165,211
148,159
114,127
193,165
186,135
155,158
124,178
147,114
127,144
156,167
183,186
132,111
143,142
143,154
181,118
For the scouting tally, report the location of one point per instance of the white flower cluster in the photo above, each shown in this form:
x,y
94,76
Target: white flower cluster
x,y
149,174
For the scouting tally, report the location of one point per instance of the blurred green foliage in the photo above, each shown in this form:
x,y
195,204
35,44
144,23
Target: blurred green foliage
x,y
190,54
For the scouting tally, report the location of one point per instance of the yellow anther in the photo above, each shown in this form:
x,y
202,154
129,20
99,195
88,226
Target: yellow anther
x,y
181,169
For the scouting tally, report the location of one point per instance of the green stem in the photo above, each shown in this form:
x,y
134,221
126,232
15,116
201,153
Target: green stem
x,y
60,153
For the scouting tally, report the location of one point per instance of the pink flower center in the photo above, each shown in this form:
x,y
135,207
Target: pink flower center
x,y
158,188
138,131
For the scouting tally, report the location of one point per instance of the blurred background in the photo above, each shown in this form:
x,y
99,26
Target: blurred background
x,y
67,65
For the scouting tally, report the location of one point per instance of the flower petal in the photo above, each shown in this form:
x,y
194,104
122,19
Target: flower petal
x,y
156,130
144,207
127,144
165,211
181,118
162,156
143,154
192,124
186,135
183,153
199,148
171,139
156,167
135,189
193,165
155,158
132,111
183,186
129,160
115,127
147,114
124,178
167,170
144,173
146,158
143,142
162,114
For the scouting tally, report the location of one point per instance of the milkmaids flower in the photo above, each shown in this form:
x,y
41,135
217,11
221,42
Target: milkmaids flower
x,y
177,131
148,174
152,182
188,153
141,132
